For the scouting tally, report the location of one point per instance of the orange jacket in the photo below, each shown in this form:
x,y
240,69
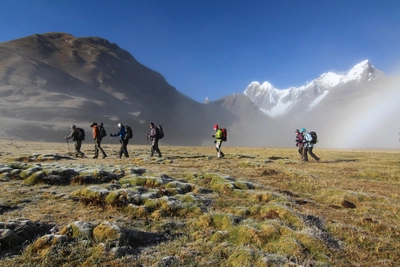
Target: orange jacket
x,y
95,132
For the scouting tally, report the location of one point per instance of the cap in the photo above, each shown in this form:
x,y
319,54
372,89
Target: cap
x,y
93,124
73,126
297,131
215,126
303,130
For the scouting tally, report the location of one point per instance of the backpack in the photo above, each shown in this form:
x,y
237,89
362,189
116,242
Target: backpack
x,y
81,134
102,131
160,132
224,134
314,137
129,133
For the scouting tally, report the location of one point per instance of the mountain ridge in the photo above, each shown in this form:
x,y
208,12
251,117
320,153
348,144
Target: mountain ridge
x,y
278,102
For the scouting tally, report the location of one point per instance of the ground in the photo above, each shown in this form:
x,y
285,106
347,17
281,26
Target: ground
x,y
255,207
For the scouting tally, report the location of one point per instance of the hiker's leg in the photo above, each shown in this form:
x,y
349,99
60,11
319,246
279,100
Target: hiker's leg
x,y
153,147
312,154
156,148
220,151
305,156
120,149
218,148
96,150
102,150
125,148
77,152
300,149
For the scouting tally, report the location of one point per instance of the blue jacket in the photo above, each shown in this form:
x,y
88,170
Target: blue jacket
x,y
121,133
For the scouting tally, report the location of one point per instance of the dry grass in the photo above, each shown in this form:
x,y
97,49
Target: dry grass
x,y
255,207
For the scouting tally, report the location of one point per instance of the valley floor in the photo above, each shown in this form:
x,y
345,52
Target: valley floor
x,y
255,207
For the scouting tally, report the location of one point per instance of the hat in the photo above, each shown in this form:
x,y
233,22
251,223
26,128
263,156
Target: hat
x,y
93,124
215,126
297,131
73,126
303,130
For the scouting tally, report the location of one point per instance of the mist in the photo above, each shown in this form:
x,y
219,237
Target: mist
x,y
371,121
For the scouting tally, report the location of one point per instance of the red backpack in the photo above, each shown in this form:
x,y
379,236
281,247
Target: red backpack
x,y
224,134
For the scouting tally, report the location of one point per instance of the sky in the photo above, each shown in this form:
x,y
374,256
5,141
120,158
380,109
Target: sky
x,y
214,48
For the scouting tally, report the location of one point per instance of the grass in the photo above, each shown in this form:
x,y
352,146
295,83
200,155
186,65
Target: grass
x,y
255,207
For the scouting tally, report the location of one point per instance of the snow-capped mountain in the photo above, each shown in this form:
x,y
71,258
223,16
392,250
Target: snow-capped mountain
x,y
275,102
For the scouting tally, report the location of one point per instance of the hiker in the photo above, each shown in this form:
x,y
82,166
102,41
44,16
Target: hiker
x,y
218,141
308,146
97,141
154,136
299,142
123,140
77,138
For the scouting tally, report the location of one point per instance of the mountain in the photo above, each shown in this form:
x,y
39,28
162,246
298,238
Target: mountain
x,y
327,87
357,109
51,81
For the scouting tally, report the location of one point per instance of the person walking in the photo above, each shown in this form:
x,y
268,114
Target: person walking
x,y
97,141
77,137
299,142
308,146
154,136
123,139
218,141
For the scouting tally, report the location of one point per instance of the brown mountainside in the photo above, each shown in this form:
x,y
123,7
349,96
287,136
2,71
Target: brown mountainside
x,y
50,81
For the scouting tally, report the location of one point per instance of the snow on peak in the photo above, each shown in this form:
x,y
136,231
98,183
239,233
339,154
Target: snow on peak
x,y
267,86
330,79
358,71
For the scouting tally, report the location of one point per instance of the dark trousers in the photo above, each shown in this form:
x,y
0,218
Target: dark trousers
x,y
97,147
78,152
123,149
309,150
155,148
300,148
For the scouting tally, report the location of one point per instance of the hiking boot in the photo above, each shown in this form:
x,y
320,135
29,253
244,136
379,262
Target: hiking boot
x,y
82,154
104,156
222,155
95,157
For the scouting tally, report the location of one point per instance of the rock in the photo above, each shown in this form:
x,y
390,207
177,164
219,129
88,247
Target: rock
x,y
78,229
347,204
8,238
108,232
47,241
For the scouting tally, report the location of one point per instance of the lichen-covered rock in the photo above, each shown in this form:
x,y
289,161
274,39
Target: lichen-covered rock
x,y
35,178
28,172
92,192
47,241
78,229
109,233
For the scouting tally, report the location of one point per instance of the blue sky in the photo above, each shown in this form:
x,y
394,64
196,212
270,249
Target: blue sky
x,y
214,48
